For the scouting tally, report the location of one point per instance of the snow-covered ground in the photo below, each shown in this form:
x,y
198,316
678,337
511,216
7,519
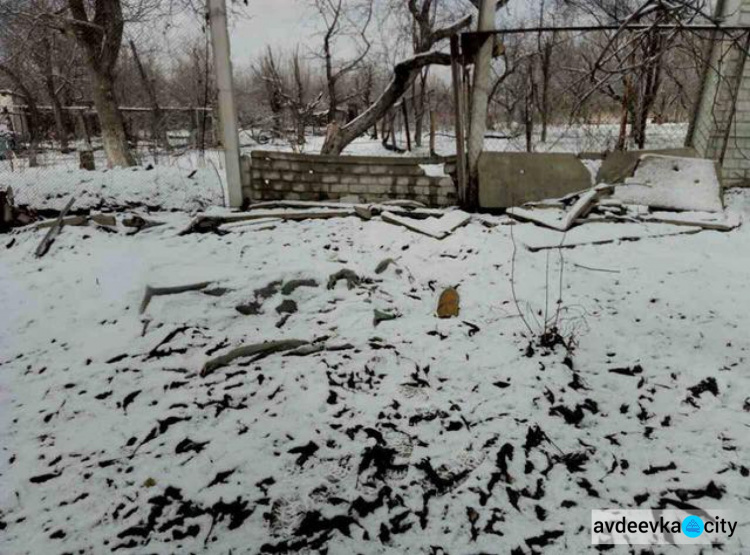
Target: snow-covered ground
x,y
185,180
427,436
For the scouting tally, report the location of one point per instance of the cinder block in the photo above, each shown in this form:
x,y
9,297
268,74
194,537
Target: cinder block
x,y
379,189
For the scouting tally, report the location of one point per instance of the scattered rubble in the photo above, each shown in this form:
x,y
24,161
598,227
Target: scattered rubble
x,y
664,190
54,231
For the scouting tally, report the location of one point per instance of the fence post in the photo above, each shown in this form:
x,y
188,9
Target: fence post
x,y
227,110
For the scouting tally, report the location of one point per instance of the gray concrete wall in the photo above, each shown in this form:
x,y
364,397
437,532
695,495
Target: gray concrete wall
x,y
288,176
727,79
512,178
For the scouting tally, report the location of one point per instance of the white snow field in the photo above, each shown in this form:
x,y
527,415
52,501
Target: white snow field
x,y
423,436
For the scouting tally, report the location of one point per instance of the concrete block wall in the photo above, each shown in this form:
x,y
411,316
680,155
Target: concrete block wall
x,y
727,80
289,176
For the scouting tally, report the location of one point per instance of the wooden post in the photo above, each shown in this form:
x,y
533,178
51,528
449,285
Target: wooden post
x,y
458,101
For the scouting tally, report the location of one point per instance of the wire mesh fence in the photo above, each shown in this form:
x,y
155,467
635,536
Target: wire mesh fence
x,y
602,89
184,171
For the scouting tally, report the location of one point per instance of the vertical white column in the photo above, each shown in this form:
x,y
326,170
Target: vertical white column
x,y
227,109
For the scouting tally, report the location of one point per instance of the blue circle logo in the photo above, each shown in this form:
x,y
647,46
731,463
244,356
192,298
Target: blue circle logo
x,y
692,526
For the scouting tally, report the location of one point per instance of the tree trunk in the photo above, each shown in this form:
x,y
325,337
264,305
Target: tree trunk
x,y
83,129
404,75
57,111
623,135
111,120
330,78
528,110
101,38
158,131
546,70
49,84
650,90
405,112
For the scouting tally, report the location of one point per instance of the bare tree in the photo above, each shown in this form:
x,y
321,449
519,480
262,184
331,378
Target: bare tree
x,y
342,18
404,74
100,36
158,130
268,73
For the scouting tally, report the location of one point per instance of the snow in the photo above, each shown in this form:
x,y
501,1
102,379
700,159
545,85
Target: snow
x,y
673,183
180,182
434,170
96,411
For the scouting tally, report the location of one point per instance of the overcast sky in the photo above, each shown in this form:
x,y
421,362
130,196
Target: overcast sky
x,y
278,23
286,23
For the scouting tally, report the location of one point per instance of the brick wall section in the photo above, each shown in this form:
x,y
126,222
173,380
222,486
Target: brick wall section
x,y
288,176
715,105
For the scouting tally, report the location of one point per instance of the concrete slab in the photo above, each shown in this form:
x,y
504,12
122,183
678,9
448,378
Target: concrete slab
x,y
512,178
618,165
673,183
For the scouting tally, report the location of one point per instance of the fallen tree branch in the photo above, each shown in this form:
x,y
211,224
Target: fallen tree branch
x,y
157,291
54,231
314,348
211,223
256,350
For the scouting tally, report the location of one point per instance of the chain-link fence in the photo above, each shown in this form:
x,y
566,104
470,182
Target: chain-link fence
x,y
596,90
181,168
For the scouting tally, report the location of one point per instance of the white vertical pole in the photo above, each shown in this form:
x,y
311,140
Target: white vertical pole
x,y
227,110
480,98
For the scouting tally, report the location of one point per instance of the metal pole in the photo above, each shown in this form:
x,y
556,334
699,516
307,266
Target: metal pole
x,y
217,17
